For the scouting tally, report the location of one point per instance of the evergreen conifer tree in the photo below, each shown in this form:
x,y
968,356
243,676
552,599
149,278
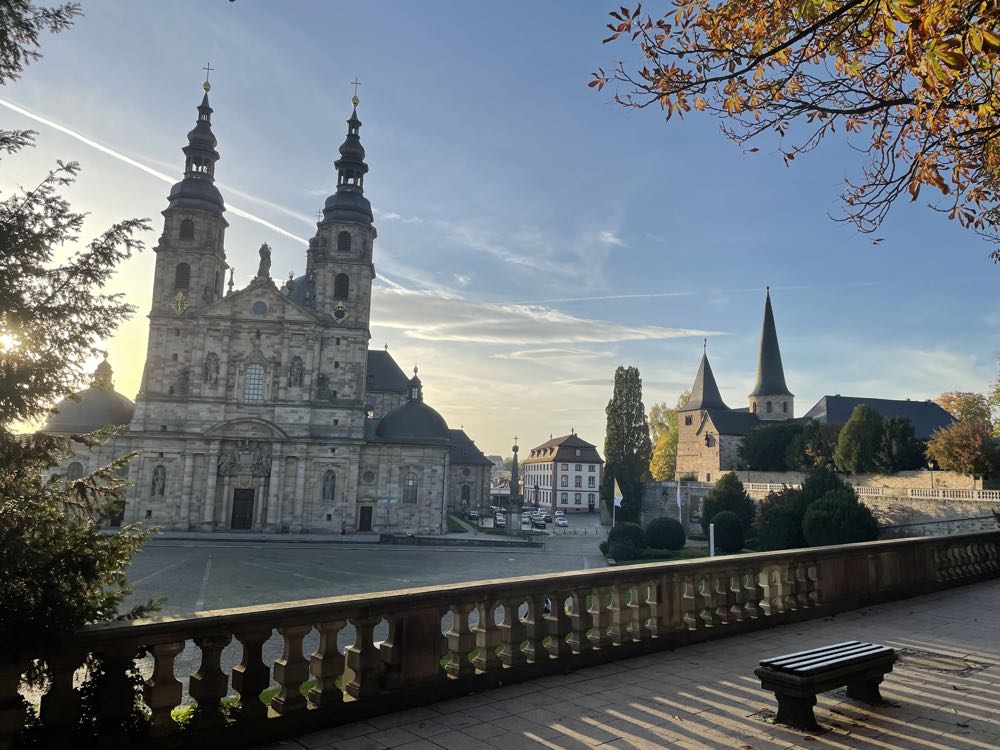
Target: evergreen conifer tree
x,y
627,446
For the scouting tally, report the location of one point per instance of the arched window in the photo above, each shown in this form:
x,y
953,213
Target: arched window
x,y
187,229
769,407
341,286
410,488
218,283
784,406
182,277
344,242
74,471
466,494
253,384
754,409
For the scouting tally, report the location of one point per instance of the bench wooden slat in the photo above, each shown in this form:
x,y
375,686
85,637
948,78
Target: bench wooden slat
x,y
818,658
843,662
799,654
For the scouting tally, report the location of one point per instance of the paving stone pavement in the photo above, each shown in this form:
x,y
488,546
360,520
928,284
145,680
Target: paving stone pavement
x,y
943,694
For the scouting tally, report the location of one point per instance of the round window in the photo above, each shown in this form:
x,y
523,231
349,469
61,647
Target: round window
x,y
466,471
369,476
259,308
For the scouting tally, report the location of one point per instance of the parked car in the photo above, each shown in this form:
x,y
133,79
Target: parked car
x,y
537,522
559,513
500,522
561,521
547,517
473,515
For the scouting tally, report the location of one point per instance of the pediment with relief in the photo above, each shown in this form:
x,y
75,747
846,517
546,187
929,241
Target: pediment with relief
x,y
260,302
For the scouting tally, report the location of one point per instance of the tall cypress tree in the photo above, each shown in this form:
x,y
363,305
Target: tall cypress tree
x,y
627,446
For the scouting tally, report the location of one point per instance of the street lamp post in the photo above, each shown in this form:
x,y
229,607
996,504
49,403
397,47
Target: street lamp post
x,y
930,465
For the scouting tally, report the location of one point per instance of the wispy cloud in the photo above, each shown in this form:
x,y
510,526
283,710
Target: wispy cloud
x,y
431,317
610,238
235,210
553,353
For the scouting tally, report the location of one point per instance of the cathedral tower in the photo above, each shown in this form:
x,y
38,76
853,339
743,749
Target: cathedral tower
x,y
340,266
190,255
770,398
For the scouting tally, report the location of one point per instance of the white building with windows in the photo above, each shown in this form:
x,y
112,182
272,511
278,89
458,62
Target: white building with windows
x,y
563,474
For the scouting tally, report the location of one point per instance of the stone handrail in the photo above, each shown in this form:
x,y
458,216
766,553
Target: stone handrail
x,y
451,640
761,490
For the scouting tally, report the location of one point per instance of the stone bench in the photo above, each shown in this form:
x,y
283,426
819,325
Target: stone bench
x,y
795,679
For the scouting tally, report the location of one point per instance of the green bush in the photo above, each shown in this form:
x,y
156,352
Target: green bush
x,y
665,533
603,547
839,518
728,532
780,525
622,549
628,531
728,494
818,482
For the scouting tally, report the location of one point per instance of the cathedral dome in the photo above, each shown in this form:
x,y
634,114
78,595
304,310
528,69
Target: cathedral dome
x,y
91,409
414,421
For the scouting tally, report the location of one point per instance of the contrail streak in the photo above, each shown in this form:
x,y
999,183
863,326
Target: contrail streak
x,y
142,167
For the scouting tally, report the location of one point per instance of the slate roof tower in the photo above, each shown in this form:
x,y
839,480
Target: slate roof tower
x,y
705,392
770,398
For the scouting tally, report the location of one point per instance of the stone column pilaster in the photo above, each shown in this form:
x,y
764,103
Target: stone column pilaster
x,y
273,522
183,517
207,522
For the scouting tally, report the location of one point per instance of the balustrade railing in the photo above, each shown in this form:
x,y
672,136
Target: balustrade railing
x,y
441,641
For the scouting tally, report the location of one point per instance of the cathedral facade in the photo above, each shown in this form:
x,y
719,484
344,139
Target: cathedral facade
x,y
262,408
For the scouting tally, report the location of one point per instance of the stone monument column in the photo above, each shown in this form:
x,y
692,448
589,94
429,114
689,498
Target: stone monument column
x,y
300,489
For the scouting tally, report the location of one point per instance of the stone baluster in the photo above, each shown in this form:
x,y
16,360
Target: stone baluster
x,y
12,711
800,570
558,626
116,691
706,598
619,615
326,664
814,591
580,621
461,641
670,605
513,633
252,676
162,691
600,617
209,685
291,670
690,598
640,610
60,706
735,596
789,592
753,594
363,660
719,583
488,638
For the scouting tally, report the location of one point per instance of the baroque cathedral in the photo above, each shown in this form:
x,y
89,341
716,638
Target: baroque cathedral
x,y
263,408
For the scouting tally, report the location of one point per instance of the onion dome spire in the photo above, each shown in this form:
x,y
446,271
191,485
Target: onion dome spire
x,y
197,190
770,372
349,202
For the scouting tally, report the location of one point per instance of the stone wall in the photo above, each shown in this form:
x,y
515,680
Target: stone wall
x,y
897,516
904,480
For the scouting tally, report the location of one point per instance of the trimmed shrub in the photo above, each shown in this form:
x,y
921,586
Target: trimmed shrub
x,y
603,547
728,494
728,532
818,482
839,518
780,525
665,533
628,531
622,549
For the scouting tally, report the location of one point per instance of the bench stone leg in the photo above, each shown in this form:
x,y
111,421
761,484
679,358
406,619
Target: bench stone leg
x,y
796,711
865,690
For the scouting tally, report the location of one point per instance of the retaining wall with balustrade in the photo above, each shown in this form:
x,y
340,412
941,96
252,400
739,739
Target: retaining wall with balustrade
x,y
448,641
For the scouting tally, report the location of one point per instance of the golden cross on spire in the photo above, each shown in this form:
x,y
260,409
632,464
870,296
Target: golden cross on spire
x,y
354,99
208,70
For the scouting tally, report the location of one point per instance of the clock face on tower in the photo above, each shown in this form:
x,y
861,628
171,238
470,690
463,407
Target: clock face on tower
x,y
339,312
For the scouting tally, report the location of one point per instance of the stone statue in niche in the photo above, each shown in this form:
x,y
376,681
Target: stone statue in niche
x,y
212,369
159,481
296,373
329,486
206,295
264,269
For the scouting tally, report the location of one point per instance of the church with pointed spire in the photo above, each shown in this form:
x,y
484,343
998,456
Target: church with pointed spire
x,y
709,432
262,408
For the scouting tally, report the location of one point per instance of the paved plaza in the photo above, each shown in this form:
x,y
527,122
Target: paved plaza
x,y
944,694
196,575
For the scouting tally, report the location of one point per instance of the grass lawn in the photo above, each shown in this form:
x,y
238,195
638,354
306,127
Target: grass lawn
x,y
685,553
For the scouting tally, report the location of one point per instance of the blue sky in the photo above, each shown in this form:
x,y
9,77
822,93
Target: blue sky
x,y
532,234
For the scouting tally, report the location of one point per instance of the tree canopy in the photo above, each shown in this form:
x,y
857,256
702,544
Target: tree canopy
x,y
627,446
912,84
964,447
663,426
965,406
